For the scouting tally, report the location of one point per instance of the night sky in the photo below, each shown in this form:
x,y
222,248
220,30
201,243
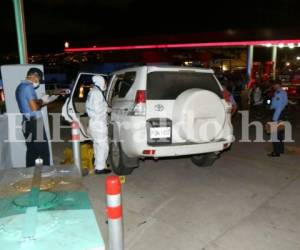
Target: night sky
x,y
51,22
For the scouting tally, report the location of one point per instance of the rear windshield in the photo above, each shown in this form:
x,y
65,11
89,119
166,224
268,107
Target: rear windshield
x,y
169,85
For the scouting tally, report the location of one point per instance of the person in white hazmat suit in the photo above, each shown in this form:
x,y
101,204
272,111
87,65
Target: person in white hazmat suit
x,y
96,107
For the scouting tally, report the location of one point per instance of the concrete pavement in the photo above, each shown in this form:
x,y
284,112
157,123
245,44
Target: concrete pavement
x,y
245,201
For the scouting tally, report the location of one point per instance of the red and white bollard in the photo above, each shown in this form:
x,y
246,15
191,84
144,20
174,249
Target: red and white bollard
x,y
114,213
76,145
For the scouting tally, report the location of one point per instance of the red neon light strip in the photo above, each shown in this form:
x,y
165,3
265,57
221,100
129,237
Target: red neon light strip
x,y
181,45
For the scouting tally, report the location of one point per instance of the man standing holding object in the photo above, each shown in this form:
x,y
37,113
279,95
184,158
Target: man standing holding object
x,y
230,99
279,102
96,107
33,125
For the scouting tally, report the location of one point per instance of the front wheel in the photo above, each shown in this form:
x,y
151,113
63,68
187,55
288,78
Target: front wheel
x,y
121,164
204,160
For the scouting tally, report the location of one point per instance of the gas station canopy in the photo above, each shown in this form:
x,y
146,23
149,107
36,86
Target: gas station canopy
x,y
267,43
229,38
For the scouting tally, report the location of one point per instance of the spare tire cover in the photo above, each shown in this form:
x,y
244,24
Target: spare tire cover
x,y
199,115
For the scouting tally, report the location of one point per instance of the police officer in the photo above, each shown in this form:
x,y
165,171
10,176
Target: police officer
x,y
279,102
33,126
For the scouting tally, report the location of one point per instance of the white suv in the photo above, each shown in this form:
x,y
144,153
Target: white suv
x,y
159,112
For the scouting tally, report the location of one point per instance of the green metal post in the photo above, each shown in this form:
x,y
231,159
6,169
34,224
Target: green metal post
x,y
21,33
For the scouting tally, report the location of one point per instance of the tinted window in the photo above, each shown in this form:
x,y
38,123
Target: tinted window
x,y
126,82
169,85
120,86
83,87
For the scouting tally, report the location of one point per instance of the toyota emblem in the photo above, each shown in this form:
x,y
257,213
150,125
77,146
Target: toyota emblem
x,y
159,107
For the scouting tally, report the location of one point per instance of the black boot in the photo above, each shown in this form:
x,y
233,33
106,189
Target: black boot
x,y
273,154
103,171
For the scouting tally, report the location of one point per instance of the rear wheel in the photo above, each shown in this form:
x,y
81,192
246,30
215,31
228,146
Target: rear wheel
x,y
121,164
204,160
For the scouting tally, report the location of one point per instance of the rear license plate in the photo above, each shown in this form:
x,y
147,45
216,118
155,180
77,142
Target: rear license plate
x,y
161,132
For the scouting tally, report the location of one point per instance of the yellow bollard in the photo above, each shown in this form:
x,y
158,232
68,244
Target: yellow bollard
x,y
87,156
68,157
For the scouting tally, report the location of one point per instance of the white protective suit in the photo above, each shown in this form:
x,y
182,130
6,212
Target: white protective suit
x,y
96,108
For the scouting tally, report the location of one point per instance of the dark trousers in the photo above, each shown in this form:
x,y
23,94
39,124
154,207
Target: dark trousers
x,y
36,141
278,147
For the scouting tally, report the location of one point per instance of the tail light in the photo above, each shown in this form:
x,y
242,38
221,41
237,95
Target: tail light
x,y
148,152
292,91
140,96
226,96
139,108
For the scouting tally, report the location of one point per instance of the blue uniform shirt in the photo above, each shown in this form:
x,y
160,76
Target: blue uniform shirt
x,y
279,101
24,93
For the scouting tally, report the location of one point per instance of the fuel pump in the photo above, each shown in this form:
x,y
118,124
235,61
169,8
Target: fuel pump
x,y
267,71
255,74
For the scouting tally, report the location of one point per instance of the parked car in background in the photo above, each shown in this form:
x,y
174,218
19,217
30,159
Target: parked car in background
x,y
292,86
293,91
